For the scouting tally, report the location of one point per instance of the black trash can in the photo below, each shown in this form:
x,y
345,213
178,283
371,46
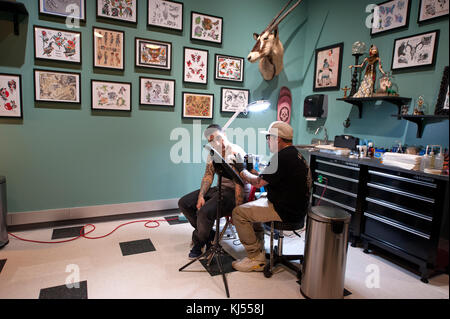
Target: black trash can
x,y
3,231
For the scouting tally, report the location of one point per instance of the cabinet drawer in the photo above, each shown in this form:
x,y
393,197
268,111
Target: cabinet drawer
x,y
390,232
420,204
337,181
338,168
407,183
336,194
402,215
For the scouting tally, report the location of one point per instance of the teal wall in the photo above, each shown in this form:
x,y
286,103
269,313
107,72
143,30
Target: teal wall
x,y
63,156
331,22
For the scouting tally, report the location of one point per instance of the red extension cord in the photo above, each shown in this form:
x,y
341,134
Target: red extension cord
x,y
99,237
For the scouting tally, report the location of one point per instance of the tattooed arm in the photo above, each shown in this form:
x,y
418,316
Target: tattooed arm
x,y
207,180
239,194
255,180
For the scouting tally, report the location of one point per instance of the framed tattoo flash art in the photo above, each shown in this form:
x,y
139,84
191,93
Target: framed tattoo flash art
x,y
158,92
206,27
432,9
11,96
415,51
195,66
122,10
442,105
112,96
390,15
198,106
229,68
328,67
234,99
55,86
165,14
153,54
57,45
109,48
64,8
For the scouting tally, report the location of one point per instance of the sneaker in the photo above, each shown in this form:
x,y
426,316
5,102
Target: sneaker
x,y
195,252
250,264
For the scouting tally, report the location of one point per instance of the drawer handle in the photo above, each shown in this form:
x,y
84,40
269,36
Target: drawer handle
x,y
337,176
400,209
388,222
338,165
336,190
396,191
400,178
335,203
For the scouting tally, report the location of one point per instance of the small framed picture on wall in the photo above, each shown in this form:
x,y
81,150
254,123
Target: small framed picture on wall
x,y
165,14
233,99
109,48
415,51
153,54
122,10
157,92
195,66
206,27
198,105
75,9
328,67
390,15
57,87
432,9
57,45
112,96
11,95
442,105
229,68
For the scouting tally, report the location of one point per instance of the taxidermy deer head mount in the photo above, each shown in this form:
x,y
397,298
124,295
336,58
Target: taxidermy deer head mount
x,y
268,48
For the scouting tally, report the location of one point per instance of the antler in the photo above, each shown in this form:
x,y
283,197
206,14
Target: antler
x,y
274,24
276,17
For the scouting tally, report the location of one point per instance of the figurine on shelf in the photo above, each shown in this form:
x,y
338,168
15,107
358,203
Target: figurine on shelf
x,y
387,86
368,84
345,89
418,110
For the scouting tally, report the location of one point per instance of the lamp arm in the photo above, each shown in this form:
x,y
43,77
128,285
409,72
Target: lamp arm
x,y
235,115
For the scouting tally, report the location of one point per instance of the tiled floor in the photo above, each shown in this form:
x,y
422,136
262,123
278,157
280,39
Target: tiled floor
x,y
143,263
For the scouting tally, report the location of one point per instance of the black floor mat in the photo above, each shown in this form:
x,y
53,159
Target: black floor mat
x,y
64,292
137,247
69,232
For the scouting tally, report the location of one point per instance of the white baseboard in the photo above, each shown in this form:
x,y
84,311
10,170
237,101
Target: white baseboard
x,y
53,215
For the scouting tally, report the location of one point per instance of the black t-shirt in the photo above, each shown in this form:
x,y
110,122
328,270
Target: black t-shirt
x,y
288,189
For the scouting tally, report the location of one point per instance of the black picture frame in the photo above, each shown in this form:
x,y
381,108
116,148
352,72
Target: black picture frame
x,y
94,53
419,21
19,76
49,14
112,82
223,89
138,59
443,97
143,78
193,38
57,60
110,18
397,52
78,74
401,27
216,68
163,26
197,117
205,82
339,46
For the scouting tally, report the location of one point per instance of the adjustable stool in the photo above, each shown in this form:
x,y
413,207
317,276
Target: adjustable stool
x,y
276,253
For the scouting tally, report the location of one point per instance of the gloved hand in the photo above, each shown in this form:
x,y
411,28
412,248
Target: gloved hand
x,y
248,164
238,163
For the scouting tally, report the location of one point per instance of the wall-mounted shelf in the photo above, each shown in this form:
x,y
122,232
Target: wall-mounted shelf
x,y
422,120
14,8
359,101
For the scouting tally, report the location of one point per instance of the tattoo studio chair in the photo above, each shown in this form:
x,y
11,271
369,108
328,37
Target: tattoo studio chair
x,y
276,256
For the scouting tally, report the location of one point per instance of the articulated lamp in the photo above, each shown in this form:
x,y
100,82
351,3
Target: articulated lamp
x,y
256,106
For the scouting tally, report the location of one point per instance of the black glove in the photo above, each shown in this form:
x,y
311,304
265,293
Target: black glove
x,y
238,163
248,164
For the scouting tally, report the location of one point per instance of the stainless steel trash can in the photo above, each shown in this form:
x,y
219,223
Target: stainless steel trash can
x,y
325,254
3,231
